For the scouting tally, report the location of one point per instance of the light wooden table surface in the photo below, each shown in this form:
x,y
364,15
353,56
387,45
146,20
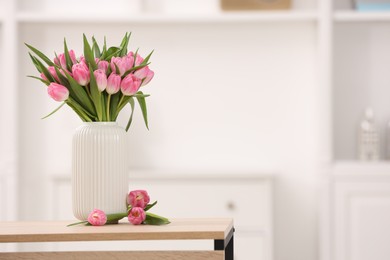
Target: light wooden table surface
x,y
217,229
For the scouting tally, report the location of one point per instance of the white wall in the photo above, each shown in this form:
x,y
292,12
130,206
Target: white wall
x,y
226,97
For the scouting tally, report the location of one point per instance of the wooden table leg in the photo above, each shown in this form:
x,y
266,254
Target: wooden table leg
x,y
226,245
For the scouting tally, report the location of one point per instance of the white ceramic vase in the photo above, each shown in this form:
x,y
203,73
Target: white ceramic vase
x,y
99,169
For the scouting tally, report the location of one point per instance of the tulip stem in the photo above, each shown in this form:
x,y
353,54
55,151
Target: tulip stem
x,y
120,101
108,107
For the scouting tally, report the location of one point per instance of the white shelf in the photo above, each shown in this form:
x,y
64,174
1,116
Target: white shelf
x,y
372,168
355,16
221,17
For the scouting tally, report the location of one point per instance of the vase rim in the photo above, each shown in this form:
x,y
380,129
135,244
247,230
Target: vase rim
x,y
101,123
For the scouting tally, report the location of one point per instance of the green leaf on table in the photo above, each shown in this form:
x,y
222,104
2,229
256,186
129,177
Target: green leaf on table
x,y
55,110
116,216
40,55
142,104
77,223
88,53
153,219
149,206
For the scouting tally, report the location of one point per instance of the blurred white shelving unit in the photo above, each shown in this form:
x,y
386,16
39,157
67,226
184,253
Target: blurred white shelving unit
x,y
362,17
218,17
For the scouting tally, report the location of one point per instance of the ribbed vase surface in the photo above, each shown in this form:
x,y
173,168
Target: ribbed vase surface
x,y
99,169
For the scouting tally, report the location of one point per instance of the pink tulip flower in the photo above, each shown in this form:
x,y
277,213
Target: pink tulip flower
x,y
81,74
113,83
138,198
61,60
58,92
101,79
97,218
138,59
124,64
53,72
103,65
145,74
130,85
136,216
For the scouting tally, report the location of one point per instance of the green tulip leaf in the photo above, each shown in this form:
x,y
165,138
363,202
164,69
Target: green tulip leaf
x,y
47,83
124,44
95,47
81,96
131,102
77,223
55,110
40,55
35,63
146,60
45,71
142,104
68,60
88,54
149,206
114,104
95,94
153,219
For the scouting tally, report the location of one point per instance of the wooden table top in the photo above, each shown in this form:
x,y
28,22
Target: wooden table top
x,y
53,231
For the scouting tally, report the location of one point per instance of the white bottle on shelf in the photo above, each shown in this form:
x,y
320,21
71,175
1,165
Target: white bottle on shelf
x,y
368,137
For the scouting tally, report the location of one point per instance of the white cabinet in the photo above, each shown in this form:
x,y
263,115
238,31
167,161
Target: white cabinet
x,y
359,212
246,198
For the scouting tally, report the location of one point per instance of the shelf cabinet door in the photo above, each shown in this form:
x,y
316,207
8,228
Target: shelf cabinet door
x,y
361,220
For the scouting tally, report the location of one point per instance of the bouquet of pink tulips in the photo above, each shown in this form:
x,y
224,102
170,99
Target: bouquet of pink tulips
x,y
98,84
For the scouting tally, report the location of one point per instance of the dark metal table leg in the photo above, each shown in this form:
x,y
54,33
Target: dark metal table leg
x,y
227,245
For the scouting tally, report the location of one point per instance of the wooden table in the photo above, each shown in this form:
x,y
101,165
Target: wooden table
x,y
219,230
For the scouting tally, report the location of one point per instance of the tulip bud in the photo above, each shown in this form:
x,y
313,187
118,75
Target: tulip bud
x,y
97,218
130,85
53,72
103,65
145,74
61,60
138,59
58,92
81,74
138,198
113,83
101,79
124,64
73,56
136,216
